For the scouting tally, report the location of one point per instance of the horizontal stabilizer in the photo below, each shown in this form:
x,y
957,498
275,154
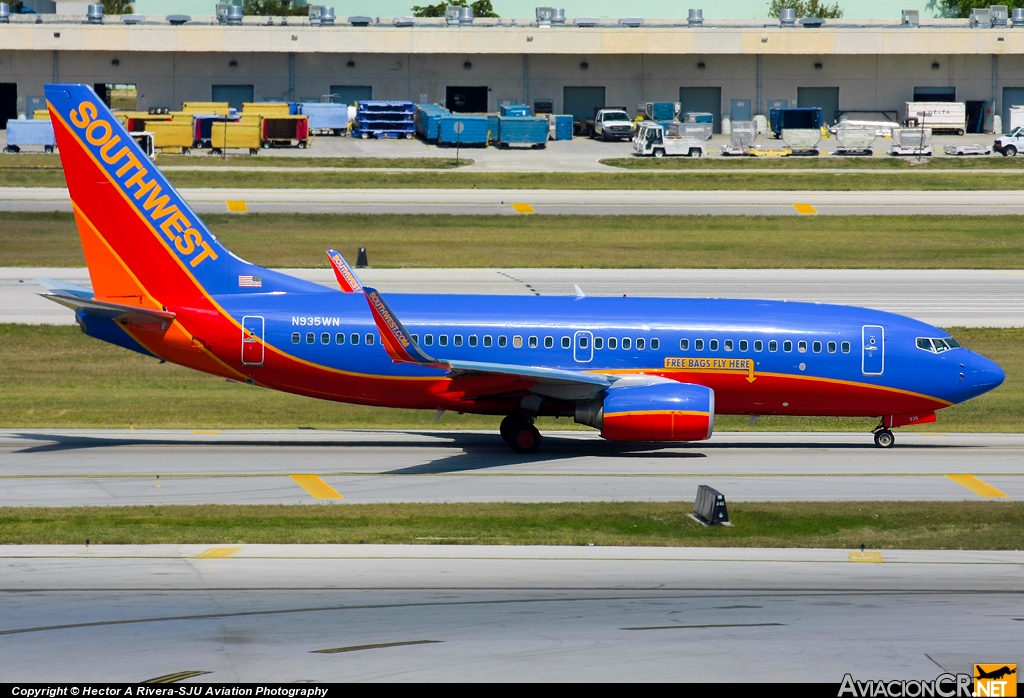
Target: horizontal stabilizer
x,y
347,279
113,311
64,287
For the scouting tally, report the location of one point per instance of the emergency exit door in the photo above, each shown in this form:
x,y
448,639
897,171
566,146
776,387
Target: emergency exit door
x,y
252,340
872,350
583,346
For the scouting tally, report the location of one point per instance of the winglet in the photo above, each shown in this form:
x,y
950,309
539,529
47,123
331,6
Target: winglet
x,y
346,277
400,345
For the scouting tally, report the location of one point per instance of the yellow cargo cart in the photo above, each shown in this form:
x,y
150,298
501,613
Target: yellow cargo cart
x,y
137,120
41,115
235,134
266,108
177,134
285,132
218,108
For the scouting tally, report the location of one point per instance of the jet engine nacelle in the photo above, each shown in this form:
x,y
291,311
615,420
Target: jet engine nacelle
x,y
659,412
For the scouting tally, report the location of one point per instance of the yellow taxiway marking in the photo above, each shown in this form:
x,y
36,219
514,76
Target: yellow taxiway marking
x,y
316,487
865,556
977,486
237,207
218,552
523,208
805,209
171,678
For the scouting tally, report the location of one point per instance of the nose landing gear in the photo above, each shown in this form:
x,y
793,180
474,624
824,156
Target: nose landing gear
x,y
884,438
519,433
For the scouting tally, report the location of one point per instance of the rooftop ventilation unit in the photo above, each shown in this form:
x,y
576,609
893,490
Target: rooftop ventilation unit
x,y
559,16
94,14
631,21
132,19
787,17
451,14
1000,13
5,13
981,18
465,16
587,21
360,21
404,21
178,20
326,16
544,14
234,14
911,18
812,22
1018,17
695,18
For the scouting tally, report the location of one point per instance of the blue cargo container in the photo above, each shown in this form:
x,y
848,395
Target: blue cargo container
x,y
21,132
796,117
698,117
515,110
474,130
494,126
531,130
384,119
428,120
662,111
563,127
326,117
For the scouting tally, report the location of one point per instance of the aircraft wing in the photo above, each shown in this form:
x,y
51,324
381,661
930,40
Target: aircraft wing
x,y
112,311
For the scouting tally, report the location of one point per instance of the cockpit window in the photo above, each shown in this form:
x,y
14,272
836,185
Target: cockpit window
x,y
937,345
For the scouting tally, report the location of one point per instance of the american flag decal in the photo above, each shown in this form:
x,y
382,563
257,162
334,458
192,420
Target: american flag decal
x,y
250,281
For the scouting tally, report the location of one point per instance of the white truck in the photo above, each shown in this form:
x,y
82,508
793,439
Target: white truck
x,y
1011,143
610,123
939,116
654,139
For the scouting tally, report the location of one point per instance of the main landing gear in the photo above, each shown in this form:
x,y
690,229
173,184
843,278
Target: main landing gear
x,y
883,437
519,433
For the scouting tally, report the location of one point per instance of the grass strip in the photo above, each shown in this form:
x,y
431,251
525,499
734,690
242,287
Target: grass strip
x,y
617,181
102,386
53,162
843,525
436,241
893,164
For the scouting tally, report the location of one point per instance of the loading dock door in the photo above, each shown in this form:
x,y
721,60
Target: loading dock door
x,y
825,98
934,94
234,95
1012,97
740,110
466,99
350,94
582,101
9,103
706,99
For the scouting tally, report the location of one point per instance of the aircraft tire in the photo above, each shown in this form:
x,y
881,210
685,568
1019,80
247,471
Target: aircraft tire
x,y
884,438
524,438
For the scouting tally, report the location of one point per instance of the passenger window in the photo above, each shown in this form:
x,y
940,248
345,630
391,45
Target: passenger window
x,y
613,343
744,345
831,347
655,344
549,342
816,347
310,338
599,342
339,338
369,339
566,342
801,346
517,341
428,340
472,340
773,345
625,342
583,341
502,341
296,337
846,347
458,340
787,345
640,343
533,342
442,340
758,345
487,340
698,345
353,338
325,338
684,344
713,345
728,345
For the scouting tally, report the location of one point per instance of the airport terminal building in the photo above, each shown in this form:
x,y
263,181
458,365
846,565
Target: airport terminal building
x,y
731,68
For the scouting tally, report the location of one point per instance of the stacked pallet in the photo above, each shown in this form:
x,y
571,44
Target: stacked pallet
x,y
384,119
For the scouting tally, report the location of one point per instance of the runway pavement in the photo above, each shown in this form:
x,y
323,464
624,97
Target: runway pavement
x,y
574,202
107,468
251,613
942,297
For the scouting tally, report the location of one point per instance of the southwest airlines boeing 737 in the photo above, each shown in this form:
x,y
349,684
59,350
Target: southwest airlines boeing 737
x,y
637,369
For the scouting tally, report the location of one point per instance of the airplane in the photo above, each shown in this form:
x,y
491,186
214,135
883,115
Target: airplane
x,y
637,369
995,674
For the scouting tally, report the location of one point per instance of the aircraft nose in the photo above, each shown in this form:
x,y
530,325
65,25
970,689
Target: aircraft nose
x,y
982,374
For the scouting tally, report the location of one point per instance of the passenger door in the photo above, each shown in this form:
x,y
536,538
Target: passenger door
x,y
872,350
583,346
252,340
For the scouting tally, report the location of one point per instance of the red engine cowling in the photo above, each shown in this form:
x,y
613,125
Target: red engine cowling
x,y
659,412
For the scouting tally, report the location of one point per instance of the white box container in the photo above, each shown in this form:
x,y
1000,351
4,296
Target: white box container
x,y
939,116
